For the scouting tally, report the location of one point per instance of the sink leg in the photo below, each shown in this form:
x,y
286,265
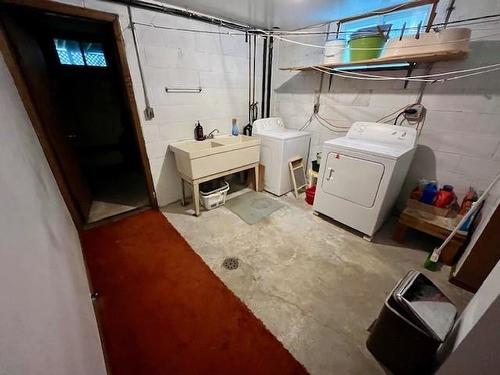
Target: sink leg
x,y
183,197
196,198
257,177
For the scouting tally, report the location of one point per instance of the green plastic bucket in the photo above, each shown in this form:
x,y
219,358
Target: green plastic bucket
x,y
365,47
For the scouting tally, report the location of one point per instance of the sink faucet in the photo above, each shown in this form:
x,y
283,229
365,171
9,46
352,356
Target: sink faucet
x,y
211,134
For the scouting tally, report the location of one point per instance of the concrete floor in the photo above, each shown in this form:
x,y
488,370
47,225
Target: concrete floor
x,y
315,284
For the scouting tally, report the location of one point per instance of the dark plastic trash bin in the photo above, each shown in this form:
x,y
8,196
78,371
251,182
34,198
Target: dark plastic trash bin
x,y
399,342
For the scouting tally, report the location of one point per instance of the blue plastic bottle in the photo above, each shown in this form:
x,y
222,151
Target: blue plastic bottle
x,y
429,193
235,130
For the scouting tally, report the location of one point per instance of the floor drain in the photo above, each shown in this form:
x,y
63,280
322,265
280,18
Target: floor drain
x,y
231,263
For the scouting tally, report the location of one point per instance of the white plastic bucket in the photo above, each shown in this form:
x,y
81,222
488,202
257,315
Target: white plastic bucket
x,y
334,51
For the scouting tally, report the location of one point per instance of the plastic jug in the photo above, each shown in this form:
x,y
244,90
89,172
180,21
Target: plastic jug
x,y
198,132
445,196
429,193
235,130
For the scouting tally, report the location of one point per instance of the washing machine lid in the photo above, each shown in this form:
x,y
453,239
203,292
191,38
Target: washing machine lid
x,y
389,151
283,133
274,127
269,123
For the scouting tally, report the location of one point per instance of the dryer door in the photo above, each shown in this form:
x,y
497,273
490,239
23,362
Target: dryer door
x,y
353,179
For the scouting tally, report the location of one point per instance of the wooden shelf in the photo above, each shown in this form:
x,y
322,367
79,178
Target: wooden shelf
x,y
426,57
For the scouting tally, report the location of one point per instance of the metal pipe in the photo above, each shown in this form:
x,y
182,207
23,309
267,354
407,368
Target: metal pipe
x,y
269,75
148,111
249,41
451,8
183,90
254,104
264,62
182,13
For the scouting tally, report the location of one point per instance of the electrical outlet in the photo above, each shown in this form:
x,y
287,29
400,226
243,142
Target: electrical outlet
x,y
415,112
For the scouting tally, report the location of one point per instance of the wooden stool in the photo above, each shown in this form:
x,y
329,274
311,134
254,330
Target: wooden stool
x,y
436,226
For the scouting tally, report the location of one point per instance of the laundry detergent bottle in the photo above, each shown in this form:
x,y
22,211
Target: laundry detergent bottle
x,y
429,193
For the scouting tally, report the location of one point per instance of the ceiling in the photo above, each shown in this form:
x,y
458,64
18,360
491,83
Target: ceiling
x,y
285,14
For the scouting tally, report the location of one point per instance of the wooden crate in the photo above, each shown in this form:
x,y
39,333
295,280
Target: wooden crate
x,y
438,211
437,226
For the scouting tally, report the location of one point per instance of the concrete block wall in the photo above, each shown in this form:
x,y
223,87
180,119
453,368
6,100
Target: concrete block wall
x,y
460,142
182,59
178,59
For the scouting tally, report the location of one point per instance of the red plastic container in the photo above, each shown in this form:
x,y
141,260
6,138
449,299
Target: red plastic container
x,y
310,193
445,196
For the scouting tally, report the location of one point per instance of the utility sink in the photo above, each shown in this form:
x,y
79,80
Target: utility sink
x,y
194,147
199,159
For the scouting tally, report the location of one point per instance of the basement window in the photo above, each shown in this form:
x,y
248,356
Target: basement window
x,y
403,22
78,53
408,19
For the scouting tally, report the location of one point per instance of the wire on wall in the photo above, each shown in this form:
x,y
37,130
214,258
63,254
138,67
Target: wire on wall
x,y
383,48
176,11
197,31
242,30
261,33
457,23
280,33
325,123
425,75
389,78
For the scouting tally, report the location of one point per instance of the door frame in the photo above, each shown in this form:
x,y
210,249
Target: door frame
x,y
10,58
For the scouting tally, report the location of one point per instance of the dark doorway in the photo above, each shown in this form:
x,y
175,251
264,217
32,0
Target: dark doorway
x,y
73,73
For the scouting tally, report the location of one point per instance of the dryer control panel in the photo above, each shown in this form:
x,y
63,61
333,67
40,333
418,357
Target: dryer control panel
x,y
383,133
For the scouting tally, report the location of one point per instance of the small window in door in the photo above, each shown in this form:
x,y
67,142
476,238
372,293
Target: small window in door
x,y
78,53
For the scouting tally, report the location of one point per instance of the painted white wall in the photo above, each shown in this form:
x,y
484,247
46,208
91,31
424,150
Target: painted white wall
x,y
170,58
476,337
47,324
460,143
218,64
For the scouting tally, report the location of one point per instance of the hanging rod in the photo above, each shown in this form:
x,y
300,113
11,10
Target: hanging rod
x,y
182,90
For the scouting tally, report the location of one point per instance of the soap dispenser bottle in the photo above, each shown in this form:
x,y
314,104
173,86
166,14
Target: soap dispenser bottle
x,y
234,129
198,132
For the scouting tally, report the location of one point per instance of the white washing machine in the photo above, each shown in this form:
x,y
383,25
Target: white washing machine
x,y
278,146
362,173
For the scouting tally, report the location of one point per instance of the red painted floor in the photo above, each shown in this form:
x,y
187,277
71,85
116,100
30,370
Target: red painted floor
x,y
163,311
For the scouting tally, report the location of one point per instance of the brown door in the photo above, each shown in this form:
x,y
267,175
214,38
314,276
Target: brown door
x,y
483,257
35,71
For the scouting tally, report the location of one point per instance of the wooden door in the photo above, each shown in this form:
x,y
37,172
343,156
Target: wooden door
x,y
482,258
34,68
